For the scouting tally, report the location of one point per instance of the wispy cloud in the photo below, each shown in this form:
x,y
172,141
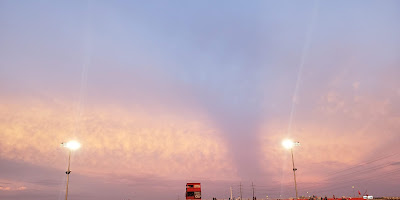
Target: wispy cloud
x,y
12,185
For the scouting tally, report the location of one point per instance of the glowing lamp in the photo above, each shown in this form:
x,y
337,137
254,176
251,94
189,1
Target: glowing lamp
x,y
288,144
72,145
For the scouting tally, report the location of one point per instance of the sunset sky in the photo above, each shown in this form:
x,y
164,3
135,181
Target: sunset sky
x,y
161,93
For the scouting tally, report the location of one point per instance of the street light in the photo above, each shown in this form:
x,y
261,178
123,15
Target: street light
x,y
289,144
71,145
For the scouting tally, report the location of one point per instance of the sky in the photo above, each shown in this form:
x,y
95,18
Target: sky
x,y
161,93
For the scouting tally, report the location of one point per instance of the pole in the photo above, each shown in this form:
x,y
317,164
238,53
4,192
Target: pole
x,y
240,190
68,172
252,185
231,193
294,173
353,191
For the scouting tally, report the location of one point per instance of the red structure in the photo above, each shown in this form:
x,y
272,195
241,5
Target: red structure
x,y
193,191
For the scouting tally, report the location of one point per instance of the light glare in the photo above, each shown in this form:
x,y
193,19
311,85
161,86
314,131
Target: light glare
x,y
288,144
73,145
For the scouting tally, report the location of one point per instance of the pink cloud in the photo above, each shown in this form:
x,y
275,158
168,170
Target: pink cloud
x,y
335,134
114,141
11,185
5,188
21,188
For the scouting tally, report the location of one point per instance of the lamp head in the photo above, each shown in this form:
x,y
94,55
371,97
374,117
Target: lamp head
x,y
72,145
288,144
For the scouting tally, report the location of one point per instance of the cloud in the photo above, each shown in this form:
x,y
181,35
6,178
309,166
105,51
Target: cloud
x,y
21,188
335,133
11,185
114,141
395,163
5,188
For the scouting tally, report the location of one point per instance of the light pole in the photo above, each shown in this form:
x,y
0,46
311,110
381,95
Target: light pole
x,y
71,145
289,144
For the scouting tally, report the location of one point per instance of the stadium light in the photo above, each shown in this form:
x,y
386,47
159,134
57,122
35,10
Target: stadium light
x,y
71,146
289,144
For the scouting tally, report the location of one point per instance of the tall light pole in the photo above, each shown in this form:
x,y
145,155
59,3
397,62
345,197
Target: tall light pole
x,y
72,145
231,194
240,190
289,144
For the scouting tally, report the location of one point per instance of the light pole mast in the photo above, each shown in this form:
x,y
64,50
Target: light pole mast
x,y
72,145
252,186
289,144
294,173
231,193
240,190
68,172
